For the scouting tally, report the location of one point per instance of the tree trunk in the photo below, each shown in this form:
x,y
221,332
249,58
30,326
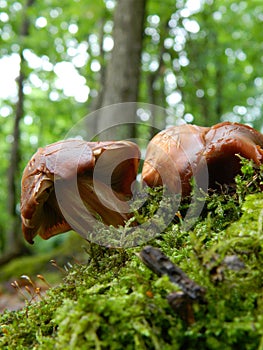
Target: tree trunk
x,y
123,70
14,241
92,121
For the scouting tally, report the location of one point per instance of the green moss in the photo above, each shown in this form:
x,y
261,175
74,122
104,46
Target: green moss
x,y
115,302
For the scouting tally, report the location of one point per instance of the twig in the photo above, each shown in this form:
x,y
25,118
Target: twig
x,y
181,301
161,265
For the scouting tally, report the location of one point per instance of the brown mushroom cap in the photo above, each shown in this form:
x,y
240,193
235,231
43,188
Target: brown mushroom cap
x,y
64,162
174,155
224,142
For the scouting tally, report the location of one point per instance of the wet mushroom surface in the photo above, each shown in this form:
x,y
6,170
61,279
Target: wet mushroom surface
x,y
60,177
178,153
69,184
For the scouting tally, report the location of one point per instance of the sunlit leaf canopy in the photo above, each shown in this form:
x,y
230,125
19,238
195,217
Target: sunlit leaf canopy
x,y
204,57
202,60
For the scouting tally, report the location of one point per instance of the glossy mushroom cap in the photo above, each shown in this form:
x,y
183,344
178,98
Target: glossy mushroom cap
x,y
224,142
177,154
73,175
173,156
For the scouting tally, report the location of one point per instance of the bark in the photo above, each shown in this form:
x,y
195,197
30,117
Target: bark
x,y
14,241
92,121
154,98
180,301
219,91
123,70
160,264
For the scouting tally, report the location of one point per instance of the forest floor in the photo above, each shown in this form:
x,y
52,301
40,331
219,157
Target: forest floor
x,y
10,301
16,291
112,299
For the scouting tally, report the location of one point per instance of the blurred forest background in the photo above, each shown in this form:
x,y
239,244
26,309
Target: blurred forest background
x,y
59,61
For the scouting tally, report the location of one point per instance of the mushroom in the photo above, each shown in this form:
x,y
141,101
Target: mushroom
x,y
62,178
177,154
68,184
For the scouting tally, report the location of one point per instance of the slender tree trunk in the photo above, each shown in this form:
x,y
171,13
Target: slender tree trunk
x,y
123,70
158,122
219,79
92,121
14,241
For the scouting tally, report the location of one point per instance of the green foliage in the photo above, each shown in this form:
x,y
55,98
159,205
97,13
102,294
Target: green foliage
x,y
115,302
212,65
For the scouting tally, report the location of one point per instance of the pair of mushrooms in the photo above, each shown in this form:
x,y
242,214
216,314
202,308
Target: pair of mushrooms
x,y
101,174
